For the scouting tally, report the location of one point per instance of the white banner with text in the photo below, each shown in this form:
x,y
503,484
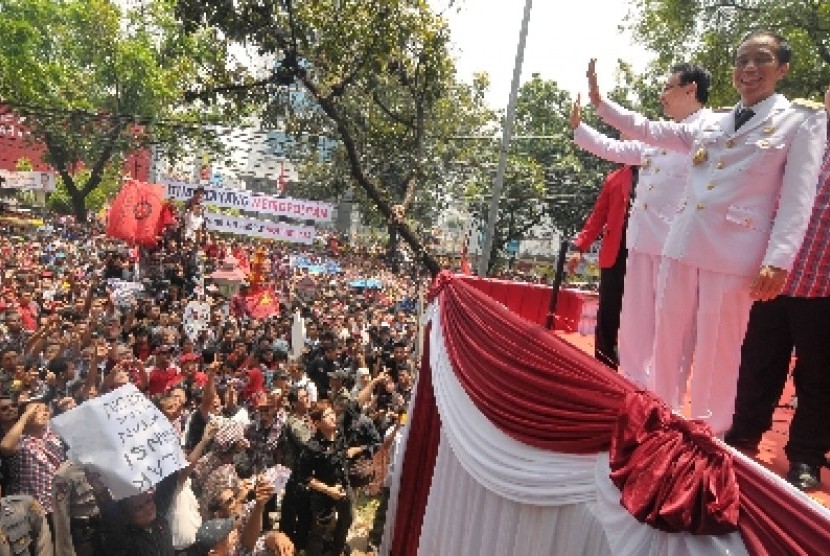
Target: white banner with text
x,y
279,231
298,209
123,436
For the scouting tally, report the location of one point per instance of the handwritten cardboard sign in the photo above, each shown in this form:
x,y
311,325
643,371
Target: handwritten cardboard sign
x,y
124,437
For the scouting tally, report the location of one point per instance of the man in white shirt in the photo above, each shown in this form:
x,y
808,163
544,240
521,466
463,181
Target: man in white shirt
x,y
660,190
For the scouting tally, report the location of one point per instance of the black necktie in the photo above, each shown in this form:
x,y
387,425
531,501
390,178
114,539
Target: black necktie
x,y
742,115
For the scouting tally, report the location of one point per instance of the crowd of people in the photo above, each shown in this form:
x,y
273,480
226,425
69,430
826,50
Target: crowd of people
x,y
726,234
703,226
247,395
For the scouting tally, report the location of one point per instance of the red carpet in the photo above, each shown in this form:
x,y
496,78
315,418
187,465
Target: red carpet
x,y
771,454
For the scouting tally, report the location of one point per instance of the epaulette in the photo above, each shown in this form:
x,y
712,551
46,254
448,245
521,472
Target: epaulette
x,y
723,109
808,104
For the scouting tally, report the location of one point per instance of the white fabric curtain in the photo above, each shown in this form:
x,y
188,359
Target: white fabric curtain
x,y
628,536
464,518
493,495
500,463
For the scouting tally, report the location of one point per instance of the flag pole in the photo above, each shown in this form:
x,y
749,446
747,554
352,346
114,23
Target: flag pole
x,y
507,133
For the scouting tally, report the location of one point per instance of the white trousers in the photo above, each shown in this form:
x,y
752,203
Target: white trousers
x,y
638,318
636,338
714,309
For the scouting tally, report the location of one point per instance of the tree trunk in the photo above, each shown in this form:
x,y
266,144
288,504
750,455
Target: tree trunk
x,y
78,204
329,108
393,256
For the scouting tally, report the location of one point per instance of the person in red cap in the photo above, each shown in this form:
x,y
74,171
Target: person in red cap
x,y
163,374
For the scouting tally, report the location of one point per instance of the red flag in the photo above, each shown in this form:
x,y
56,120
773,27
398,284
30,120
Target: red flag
x,y
282,181
262,304
466,268
167,217
135,213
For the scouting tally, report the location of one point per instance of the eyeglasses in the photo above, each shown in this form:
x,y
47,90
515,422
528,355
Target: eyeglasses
x,y
760,60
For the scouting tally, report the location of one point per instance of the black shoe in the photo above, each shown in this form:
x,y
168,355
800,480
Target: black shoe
x,y
804,476
741,441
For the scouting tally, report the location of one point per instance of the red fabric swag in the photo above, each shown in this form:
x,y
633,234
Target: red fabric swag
x,y
776,521
534,386
419,464
670,471
544,392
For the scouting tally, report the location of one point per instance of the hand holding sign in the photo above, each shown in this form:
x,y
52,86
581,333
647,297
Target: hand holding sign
x,y
133,445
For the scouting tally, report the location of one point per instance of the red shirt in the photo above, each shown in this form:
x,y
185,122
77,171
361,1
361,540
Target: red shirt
x,y
161,380
608,217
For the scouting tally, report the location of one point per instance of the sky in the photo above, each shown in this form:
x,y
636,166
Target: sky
x,y
562,37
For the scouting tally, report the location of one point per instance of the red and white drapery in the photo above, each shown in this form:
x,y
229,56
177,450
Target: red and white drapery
x,y
521,444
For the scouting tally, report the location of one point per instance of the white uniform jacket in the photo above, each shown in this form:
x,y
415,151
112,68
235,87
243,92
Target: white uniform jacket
x,y
661,187
750,191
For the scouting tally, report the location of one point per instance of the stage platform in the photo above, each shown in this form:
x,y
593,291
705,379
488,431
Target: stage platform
x,y
771,453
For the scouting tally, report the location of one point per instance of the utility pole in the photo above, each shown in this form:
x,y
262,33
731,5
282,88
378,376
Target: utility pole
x,y
510,116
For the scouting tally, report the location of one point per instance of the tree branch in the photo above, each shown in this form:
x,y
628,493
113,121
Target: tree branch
x,y
205,95
360,177
391,115
104,157
734,5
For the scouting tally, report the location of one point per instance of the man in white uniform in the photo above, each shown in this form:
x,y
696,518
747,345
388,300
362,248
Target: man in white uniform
x,y
659,192
751,189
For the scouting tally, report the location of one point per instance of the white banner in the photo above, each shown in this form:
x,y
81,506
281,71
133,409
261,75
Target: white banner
x,y
241,199
216,196
36,181
259,228
292,208
125,438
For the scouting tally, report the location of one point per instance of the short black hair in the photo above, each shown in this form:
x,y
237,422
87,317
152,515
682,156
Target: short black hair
x,y
694,73
784,52
58,365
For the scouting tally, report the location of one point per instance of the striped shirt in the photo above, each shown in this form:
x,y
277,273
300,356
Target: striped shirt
x,y
810,275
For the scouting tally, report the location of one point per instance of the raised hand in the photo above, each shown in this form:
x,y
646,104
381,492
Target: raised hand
x,y
593,88
576,113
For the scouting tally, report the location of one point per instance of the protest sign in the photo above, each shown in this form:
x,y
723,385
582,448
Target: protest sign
x,y
125,438
124,292
196,319
292,208
298,209
34,181
216,196
259,228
